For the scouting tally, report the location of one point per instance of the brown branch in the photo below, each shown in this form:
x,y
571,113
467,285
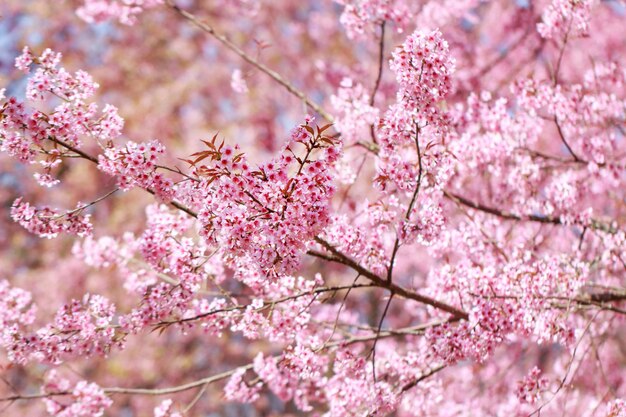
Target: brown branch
x,y
595,224
339,257
381,58
607,297
93,159
564,161
430,373
407,216
569,148
599,300
20,397
500,213
74,149
369,146
343,302
568,368
380,325
81,208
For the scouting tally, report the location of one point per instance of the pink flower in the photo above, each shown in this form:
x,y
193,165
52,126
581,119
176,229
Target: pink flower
x,y
86,399
165,410
530,388
24,61
238,83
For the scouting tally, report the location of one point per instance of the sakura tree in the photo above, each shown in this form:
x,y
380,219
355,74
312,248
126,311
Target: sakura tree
x,y
324,208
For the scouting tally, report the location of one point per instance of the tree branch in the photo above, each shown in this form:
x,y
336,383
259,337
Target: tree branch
x,y
595,224
205,27
407,216
142,391
93,159
383,283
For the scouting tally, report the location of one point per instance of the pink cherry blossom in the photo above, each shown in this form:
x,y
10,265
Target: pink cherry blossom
x,y
321,208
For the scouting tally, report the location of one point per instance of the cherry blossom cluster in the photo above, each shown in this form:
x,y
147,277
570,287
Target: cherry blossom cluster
x,y
281,318
503,138
529,389
89,327
449,241
48,223
344,383
269,214
16,309
566,18
519,299
13,143
423,66
237,389
24,132
351,385
135,165
164,250
358,240
165,410
359,17
84,399
99,253
126,11
616,408
609,74
238,82
295,375
412,158
79,328
185,265
48,78
120,254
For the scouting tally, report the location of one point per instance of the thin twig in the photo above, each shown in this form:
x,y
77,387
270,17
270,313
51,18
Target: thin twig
x,y
266,304
204,26
569,148
407,215
380,325
93,159
345,297
141,391
561,52
381,58
431,372
85,206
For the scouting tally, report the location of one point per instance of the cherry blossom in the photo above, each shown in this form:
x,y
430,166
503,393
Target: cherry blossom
x,y
325,208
